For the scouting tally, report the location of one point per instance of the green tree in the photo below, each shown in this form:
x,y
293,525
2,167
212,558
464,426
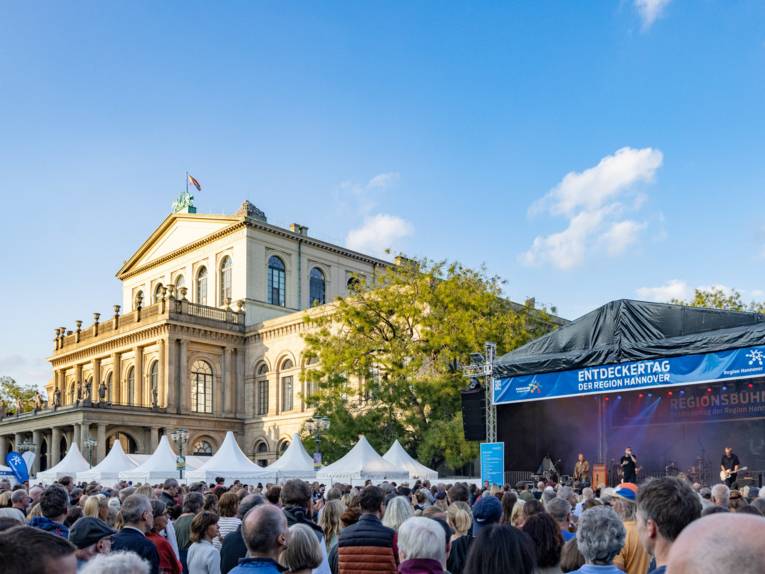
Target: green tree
x,y
718,298
389,356
11,391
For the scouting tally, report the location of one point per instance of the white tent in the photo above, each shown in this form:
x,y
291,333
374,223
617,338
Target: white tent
x,y
158,467
70,465
108,470
398,457
294,463
360,464
192,461
230,463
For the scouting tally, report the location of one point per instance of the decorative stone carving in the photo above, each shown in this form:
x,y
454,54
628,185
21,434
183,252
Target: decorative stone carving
x,y
249,211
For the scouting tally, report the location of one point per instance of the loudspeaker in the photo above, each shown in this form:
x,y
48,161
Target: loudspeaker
x,y
474,414
599,475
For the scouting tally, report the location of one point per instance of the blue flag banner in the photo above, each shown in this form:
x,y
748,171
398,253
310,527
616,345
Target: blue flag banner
x,y
17,465
652,373
493,463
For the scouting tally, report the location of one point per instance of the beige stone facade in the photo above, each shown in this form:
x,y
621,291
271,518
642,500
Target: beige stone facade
x,y
208,337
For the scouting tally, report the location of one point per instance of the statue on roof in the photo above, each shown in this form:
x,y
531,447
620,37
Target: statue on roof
x,y
184,203
249,211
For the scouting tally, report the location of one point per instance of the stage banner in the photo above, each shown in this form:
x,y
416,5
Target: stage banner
x,y
493,463
685,370
17,465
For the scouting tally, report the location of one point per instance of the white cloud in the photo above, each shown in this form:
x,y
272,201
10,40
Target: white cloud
x,y
650,10
382,180
591,200
673,289
378,233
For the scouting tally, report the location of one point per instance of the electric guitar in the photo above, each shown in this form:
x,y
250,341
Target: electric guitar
x,y
727,472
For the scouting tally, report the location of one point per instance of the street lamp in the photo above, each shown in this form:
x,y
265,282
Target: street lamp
x,y
90,444
315,426
180,436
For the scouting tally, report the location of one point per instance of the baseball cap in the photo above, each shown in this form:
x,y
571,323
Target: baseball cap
x,y
88,530
488,510
627,490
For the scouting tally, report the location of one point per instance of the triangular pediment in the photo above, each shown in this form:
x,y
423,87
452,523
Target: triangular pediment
x,y
177,231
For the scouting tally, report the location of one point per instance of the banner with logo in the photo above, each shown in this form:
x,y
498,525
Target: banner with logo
x,y
17,465
689,369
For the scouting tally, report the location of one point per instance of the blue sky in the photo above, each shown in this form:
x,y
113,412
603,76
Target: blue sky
x,y
584,151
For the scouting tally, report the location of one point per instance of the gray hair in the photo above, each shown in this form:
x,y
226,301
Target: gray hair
x,y
134,507
262,527
559,509
303,551
116,563
423,538
397,511
587,493
600,535
249,502
721,495
548,494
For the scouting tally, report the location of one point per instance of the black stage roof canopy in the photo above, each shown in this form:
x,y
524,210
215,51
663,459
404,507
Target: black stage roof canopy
x,y
627,330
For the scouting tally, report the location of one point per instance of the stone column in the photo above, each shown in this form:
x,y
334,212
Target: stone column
x,y
3,447
139,376
161,374
240,384
116,378
37,440
96,380
183,383
76,438
153,438
101,440
78,382
220,397
55,447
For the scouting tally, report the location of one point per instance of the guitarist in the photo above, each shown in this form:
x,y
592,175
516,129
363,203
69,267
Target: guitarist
x,y
729,464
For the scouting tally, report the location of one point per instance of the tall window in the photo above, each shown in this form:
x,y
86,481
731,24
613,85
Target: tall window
x,y
180,281
225,279
310,386
154,380
261,406
130,385
201,294
318,287
158,292
109,391
201,387
261,452
287,387
138,296
276,281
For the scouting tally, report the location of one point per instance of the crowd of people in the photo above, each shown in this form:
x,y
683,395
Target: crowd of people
x,y
664,525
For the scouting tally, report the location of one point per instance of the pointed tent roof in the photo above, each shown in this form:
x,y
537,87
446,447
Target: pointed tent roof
x,y
362,463
159,466
230,463
627,330
294,463
397,456
107,471
70,465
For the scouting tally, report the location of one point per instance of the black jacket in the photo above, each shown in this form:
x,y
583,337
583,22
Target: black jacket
x,y
132,540
298,515
232,550
458,555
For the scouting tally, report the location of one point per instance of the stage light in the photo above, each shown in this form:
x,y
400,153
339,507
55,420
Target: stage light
x,y
619,397
669,393
750,385
725,388
650,394
640,396
682,393
605,398
709,389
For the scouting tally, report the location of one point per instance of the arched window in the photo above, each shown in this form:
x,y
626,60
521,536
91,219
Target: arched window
x,y
158,293
180,281
201,387
109,390
130,386
261,453
202,448
225,280
353,284
201,294
317,287
261,402
154,381
283,446
287,386
277,279
138,297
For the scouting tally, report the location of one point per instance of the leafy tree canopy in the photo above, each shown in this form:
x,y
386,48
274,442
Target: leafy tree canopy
x,y
11,391
403,335
719,298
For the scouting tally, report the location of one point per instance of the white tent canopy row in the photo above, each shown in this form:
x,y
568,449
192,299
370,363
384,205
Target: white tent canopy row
x,y
160,466
294,463
399,458
70,465
230,463
107,472
362,463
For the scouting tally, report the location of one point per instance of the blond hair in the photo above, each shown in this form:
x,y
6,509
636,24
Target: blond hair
x,y
93,505
329,520
459,517
303,551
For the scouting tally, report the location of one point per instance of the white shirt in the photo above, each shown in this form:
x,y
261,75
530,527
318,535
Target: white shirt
x,y
203,558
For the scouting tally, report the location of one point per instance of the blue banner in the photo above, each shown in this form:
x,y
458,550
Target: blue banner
x,y
688,369
17,465
493,463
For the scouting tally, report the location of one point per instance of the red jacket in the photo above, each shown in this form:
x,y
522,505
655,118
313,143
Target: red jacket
x,y
168,562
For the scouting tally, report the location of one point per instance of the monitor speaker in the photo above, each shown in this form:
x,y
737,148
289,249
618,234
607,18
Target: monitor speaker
x,y
474,414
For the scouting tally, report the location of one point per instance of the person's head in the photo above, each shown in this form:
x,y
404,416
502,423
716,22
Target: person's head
x,y
719,542
517,517
204,526
624,500
628,450
721,495
66,482
35,493
330,519
570,557
488,510
397,511
26,550
20,499
501,548
91,536
116,563
136,512
248,503
421,538
587,493
508,502
171,487
159,513
728,451
303,551
548,541
193,503
580,457
459,517
296,493
458,493
532,507
273,494
54,503
560,510
600,535
665,506
265,531
228,505
96,506
371,500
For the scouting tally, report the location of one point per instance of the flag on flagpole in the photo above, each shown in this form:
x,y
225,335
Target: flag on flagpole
x,y
194,182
